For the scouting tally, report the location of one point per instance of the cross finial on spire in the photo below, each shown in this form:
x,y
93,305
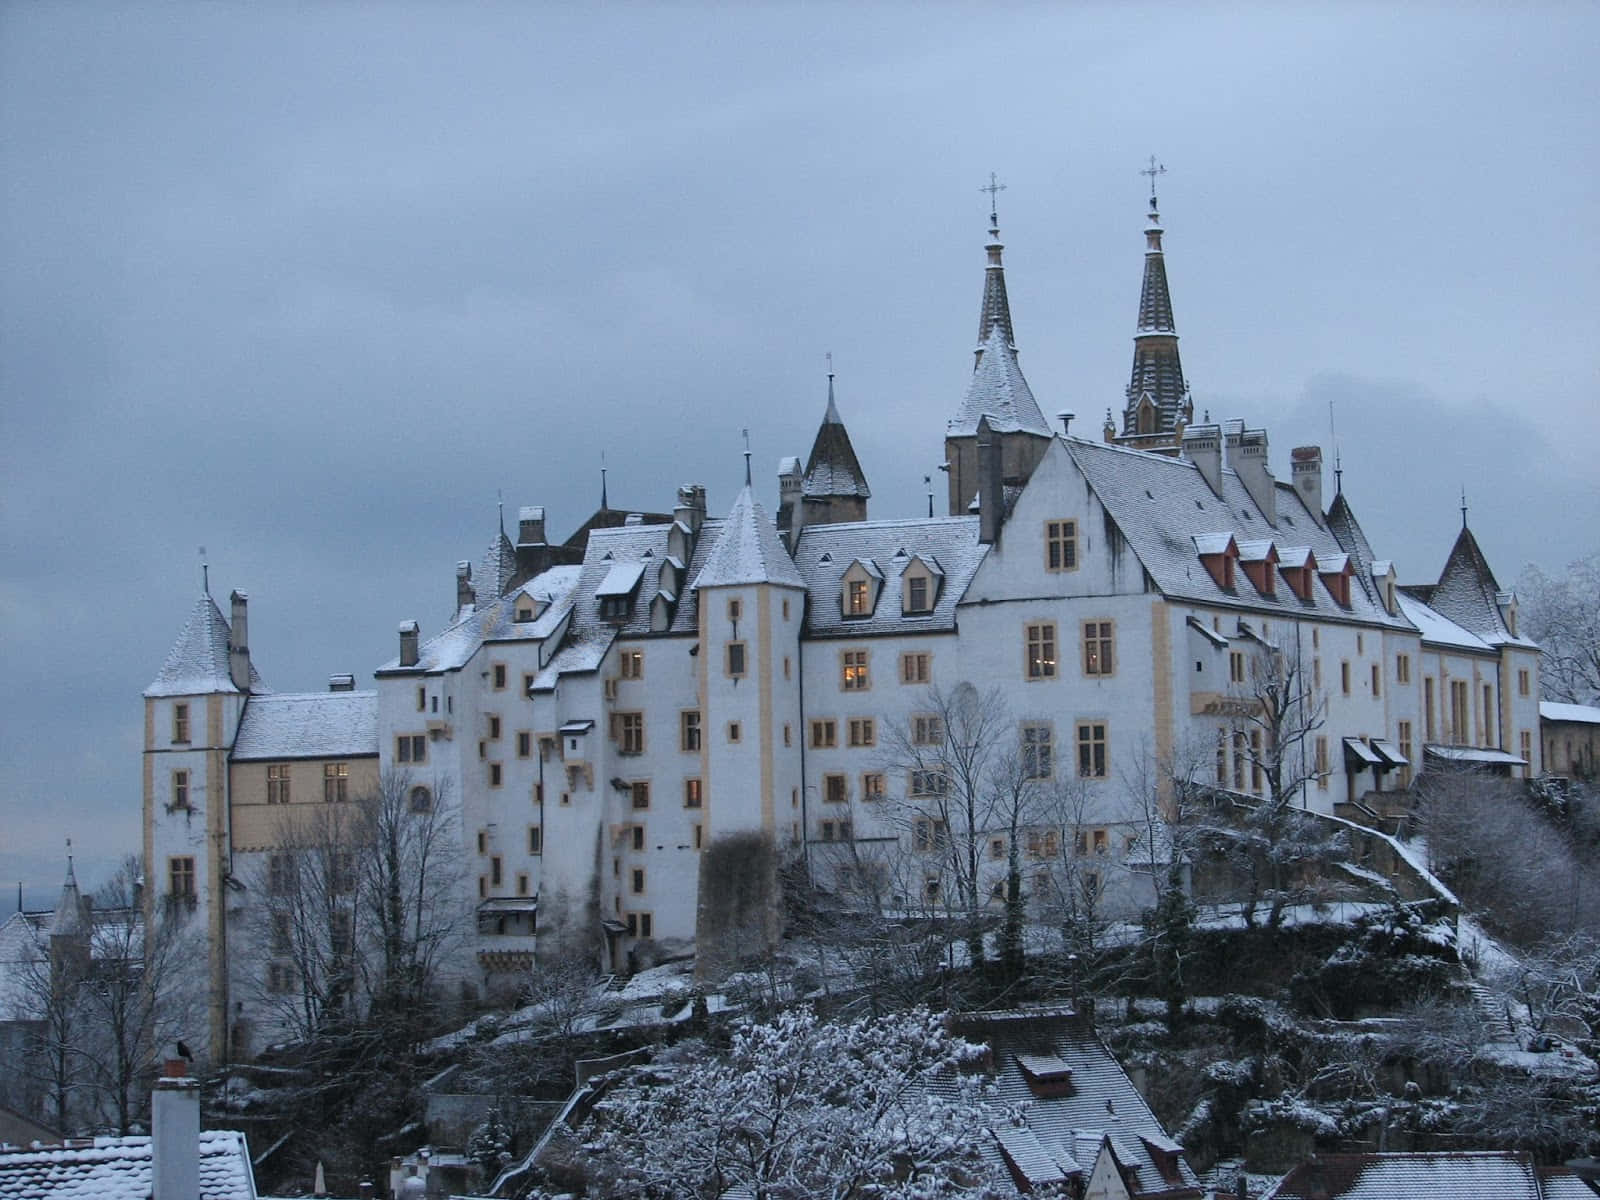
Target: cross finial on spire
x,y
746,434
205,573
993,187
500,505
604,505
829,357
1153,170
1463,506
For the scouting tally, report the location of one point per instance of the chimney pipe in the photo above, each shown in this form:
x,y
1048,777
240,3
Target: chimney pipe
x,y
1306,470
341,683
991,491
464,592
1202,445
410,637
239,642
175,1135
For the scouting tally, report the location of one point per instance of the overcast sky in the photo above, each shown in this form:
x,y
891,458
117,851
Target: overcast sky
x,y
307,285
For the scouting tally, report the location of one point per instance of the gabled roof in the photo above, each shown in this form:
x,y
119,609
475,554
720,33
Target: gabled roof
x,y
1583,714
495,573
998,391
197,664
1481,1174
118,1168
1467,592
1438,630
748,550
308,725
495,620
1346,530
824,553
833,469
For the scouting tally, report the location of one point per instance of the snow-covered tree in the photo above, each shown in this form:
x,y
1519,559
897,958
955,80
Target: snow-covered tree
x,y
1562,614
883,1107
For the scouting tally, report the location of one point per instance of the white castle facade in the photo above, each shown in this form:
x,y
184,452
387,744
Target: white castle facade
x,y
599,715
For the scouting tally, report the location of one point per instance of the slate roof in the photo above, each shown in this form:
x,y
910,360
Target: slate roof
x,y
494,574
1157,368
823,553
197,664
1164,508
833,469
453,646
308,725
1344,526
1582,713
1435,629
1069,1124
747,550
996,307
1468,594
998,391
118,1168
1481,1174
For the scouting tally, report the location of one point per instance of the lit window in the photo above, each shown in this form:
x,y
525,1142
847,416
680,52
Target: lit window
x,y
1061,545
335,782
1038,751
824,734
735,659
631,664
629,727
692,793
1092,749
863,732
1041,650
180,722
915,667
854,671
857,598
277,783
1098,654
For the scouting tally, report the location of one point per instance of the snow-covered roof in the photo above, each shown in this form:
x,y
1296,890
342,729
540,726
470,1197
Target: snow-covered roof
x,y
495,621
1468,594
833,469
998,391
1476,754
621,579
824,553
1435,629
119,1168
747,550
197,664
1583,714
308,725
1481,1174
1166,511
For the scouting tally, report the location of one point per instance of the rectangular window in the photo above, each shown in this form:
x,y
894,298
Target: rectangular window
x,y
1235,666
692,795
527,685
280,977
629,727
277,783
180,790
1222,758
1491,727
638,837
637,881
863,732
1061,545
1527,752
1316,675
915,667
824,734
1460,719
872,786
524,744
522,885
1241,756
630,664
734,732
699,836
689,730
835,789
180,722
857,598
1098,658
180,876
1427,708
499,671
1402,668
1092,758
1522,682
735,660
640,789
1322,764
411,748
1404,738
929,783
282,934
1040,639
483,842
927,729
1344,676
280,874
494,728
1255,761
495,868
917,594
735,610
853,671
535,839
1377,678
929,834
335,782
1038,750
422,699
496,775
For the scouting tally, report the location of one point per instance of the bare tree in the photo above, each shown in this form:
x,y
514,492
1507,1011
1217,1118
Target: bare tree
x,y
51,976
1562,614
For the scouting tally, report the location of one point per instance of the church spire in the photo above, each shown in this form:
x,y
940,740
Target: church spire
x,y
1158,404
996,308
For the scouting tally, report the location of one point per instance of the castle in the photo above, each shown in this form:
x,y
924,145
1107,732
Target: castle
x,y
600,715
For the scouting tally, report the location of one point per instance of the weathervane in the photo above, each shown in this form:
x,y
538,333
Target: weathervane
x,y
205,573
993,187
746,434
829,357
1153,170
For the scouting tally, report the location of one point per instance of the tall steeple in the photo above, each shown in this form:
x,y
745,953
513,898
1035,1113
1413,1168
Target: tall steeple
x,y
1158,405
996,308
833,487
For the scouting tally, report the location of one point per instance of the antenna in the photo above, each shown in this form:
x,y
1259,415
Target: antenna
x,y
1463,506
994,187
927,482
604,505
205,573
1333,436
500,505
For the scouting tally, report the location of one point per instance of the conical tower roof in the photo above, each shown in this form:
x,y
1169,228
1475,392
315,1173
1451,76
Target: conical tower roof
x,y
833,469
1467,591
197,664
1156,382
493,576
70,919
999,391
747,550
996,307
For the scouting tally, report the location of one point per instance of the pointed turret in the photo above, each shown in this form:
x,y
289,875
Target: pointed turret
x,y
1469,594
995,312
748,550
71,918
199,662
495,574
1158,404
834,487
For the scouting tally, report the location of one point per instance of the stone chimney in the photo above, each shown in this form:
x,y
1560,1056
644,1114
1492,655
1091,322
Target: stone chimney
x,y
691,506
991,487
464,593
1202,445
410,641
530,525
791,510
1247,455
341,683
175,1134
239,642
1306,469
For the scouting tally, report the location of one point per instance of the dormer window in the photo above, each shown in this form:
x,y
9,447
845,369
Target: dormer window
x,y
1335,573
1296,564
858,598
1218,554
859,594
919,586
1383,578
615,593
1260,562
